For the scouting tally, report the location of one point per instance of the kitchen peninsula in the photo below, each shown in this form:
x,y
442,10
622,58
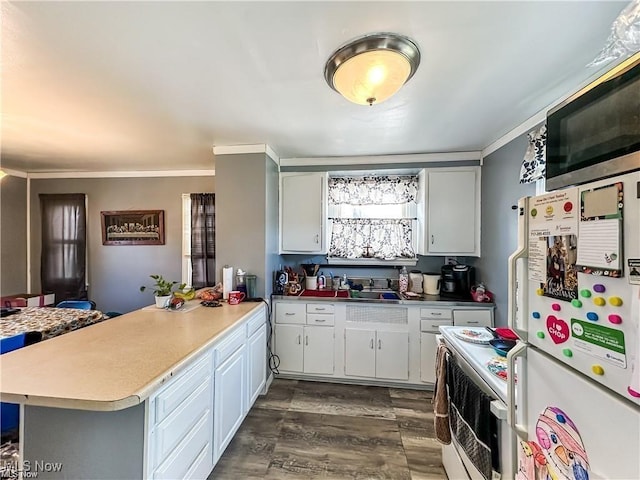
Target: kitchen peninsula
x,y
150,394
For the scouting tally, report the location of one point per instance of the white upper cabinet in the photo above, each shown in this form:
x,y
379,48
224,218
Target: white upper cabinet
x,y
303,212
449,211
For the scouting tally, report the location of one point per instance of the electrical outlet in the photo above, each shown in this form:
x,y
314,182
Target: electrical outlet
x,y
450,261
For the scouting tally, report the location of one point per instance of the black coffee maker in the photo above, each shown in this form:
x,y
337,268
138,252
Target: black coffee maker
x,y
457,281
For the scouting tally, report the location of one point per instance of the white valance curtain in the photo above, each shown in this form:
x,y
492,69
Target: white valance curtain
x,y
385,238
534,164
375,190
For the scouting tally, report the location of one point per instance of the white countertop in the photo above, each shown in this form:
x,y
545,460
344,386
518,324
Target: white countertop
x,y
477,356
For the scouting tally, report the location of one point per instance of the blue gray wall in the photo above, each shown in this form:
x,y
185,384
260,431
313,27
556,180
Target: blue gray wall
x,y
13,235
247,216
116,272
500,190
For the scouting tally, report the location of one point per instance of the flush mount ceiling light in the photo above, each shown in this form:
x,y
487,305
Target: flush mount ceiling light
x,y
372,68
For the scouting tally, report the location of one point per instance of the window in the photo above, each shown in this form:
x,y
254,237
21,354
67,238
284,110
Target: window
x,y
186,239
198,239
373,217
63,259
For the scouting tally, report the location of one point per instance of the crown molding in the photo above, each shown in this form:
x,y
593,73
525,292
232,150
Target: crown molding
x,y
15,173
383,159
124,174
242,149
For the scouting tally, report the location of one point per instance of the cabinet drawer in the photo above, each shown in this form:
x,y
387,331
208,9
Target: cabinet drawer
x,y
229,345
186,457
435,313
320,308
254,323
320,319
180,388
290,312
173,429
475,318
432,325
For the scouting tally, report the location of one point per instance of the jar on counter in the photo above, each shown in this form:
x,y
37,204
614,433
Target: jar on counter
x,y
403,280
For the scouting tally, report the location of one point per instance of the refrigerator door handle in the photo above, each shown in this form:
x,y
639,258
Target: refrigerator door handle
x,y
519,351
516,305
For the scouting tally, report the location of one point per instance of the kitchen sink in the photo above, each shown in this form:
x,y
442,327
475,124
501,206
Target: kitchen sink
x,y
376,294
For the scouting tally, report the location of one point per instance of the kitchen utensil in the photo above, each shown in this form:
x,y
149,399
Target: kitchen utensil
x,y
236,296
474,335
311,283
502,346
506,333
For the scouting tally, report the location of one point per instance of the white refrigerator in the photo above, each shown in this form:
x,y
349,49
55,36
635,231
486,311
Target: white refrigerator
x,y
574,300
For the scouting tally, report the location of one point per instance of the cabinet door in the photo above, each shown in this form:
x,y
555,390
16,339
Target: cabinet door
x,y
359,352
303,213
428,348
289,347
452,206
392,355
229,395
318,350
256,362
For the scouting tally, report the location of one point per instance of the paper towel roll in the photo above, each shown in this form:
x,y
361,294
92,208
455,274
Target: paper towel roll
x,y
227,281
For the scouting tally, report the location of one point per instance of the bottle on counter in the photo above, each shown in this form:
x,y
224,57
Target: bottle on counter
x,y
322,281
403,280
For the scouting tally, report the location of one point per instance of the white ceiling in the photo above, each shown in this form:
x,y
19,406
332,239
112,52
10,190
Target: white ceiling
x,y
155,85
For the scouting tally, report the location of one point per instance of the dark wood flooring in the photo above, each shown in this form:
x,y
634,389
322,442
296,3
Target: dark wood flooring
x,y
305,430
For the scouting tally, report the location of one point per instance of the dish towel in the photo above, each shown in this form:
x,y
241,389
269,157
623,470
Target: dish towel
x,y
472,424
441,398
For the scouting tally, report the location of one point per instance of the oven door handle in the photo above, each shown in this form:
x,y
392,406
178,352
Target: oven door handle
x,y
519,351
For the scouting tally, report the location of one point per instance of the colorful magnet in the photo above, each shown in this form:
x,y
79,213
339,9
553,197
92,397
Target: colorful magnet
x,y
615,301
536,315
539,292
598,287
593,316
615,319
599,301
576,303
556,307
597,369
540,334
558,329
567,352
585,293
633,393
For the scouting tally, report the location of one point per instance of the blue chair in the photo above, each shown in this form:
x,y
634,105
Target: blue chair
x,y
81,304
10,412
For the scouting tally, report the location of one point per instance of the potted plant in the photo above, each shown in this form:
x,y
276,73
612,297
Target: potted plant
x,y
162,289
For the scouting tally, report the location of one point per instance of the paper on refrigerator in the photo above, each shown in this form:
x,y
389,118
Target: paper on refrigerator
x,y
553,228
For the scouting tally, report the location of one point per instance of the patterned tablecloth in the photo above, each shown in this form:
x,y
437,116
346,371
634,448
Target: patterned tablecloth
x,y
48,321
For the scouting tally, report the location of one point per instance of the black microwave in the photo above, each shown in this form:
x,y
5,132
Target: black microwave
x,y
595,133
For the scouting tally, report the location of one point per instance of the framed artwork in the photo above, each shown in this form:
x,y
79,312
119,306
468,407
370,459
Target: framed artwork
x,y
133,227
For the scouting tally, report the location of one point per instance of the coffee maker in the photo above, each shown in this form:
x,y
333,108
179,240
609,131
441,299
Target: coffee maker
x,y
457,281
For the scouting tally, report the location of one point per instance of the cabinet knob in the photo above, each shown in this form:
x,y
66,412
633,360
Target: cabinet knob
x,y
432,239
372,343
306,339
379,344
317,238
299,340
320,320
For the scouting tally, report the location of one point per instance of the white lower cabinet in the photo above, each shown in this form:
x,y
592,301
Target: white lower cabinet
x,y
192,418
305,348
256,357
376,354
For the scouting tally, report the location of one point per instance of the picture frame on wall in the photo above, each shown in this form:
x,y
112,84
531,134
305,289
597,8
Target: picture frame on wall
x,y
133,227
